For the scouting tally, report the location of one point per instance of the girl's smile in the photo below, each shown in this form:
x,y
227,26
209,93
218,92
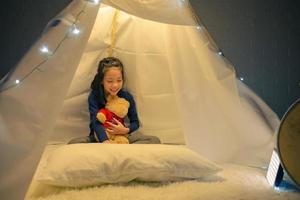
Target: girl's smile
x,y
112,81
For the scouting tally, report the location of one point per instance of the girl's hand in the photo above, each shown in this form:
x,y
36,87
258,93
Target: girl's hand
x,y
106,142
117,129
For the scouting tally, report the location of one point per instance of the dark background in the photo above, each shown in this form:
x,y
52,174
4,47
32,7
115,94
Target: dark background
x,y
260,37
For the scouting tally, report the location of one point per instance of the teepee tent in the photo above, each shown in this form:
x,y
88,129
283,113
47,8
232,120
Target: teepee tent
x,y
185,90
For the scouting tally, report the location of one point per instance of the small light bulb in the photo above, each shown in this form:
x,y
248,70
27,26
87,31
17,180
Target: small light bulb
x,y
181,2
75,30
44,49
198,27
241,78
95,1
220,53
277,189
17,81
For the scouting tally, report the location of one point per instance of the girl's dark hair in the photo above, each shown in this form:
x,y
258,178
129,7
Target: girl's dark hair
x,y
103,66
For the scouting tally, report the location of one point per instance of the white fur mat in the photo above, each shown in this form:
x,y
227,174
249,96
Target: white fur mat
x,y
233,183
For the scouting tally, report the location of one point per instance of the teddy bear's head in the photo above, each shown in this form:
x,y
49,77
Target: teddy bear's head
x,y
117,105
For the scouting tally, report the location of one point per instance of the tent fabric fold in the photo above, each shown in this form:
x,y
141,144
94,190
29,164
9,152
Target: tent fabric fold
x,y
29,109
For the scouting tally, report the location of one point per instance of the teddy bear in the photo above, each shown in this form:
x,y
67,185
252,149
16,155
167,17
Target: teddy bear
x,y
115,108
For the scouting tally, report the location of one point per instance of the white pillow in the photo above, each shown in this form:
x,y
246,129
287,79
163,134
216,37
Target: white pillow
x,y
94,164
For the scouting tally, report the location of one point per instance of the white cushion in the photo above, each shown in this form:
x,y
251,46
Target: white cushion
x,y
94,164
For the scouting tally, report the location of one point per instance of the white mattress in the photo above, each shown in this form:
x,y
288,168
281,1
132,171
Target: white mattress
x,y
234,182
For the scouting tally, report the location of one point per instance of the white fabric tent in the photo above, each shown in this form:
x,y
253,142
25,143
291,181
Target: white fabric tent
x,y
186,91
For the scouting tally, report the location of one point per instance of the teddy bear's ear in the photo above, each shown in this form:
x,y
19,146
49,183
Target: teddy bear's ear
x,y
124,102
108,98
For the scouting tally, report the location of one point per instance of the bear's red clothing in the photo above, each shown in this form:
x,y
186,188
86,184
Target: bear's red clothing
x,y
109,117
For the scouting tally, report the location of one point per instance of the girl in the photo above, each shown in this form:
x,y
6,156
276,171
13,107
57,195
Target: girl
x,y
109,81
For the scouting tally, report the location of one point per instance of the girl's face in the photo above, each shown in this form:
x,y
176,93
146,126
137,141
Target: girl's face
x,y
112,81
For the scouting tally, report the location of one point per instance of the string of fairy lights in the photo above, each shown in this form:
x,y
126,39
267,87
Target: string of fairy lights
x,y
74,30
44,49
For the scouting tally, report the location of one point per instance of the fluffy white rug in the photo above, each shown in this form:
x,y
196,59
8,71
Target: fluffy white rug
x,y
233,183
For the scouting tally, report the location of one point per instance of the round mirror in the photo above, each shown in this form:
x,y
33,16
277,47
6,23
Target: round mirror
x,y
288,142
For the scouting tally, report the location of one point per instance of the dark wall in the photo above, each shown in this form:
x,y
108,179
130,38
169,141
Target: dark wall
x,y
21,23
260,38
